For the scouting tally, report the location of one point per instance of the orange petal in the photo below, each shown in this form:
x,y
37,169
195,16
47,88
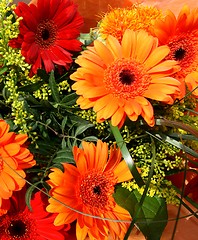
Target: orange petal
x,y
156,56
122,172
104,53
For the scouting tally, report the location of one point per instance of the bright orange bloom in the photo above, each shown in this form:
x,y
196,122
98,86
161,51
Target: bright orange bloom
x,y
88,188
181,35
115,79
137,17
14,157
191,81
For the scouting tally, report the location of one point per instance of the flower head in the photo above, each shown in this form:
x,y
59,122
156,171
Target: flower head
x,y
88,188
137,17
115,79
14,157
22,224
181,35
48,33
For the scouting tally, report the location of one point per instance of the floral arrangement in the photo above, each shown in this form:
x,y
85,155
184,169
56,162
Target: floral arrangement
x,y
98,130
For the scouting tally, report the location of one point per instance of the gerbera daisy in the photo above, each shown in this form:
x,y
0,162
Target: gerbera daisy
x,y
181,35
14,157
88,187
115,79
137,17
48,33
22,224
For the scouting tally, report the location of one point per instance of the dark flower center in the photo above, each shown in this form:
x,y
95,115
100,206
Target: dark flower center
x,y
126,77
46,34
97,190
17,228
179,54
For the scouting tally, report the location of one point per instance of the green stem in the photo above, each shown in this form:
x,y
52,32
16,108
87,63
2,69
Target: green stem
x,y
144,193
126,155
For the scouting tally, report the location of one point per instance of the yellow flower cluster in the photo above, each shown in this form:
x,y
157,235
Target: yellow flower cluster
x,y
90,116
166,159
14,98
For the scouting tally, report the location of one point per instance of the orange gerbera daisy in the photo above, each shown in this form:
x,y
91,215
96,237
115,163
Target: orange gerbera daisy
x,y
14,157
88,188
115,79
137,17
181,35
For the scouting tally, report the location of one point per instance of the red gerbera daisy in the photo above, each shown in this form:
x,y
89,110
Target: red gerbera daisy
x,y
22,224
48,33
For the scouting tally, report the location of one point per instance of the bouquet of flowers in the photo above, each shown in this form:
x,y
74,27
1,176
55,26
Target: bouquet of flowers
x,y
98,130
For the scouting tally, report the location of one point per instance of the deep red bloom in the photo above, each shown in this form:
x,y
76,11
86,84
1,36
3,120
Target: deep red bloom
x,y
48,33
22,224
191,189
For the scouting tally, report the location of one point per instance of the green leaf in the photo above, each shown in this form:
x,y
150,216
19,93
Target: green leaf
x,y
64,155
3,70
31,88
177,124
90,139
63,143
54,88
63,124
69,100
82,128
150,217
176,144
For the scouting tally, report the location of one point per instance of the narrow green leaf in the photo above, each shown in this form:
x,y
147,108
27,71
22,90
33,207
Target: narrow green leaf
x,y
177,144
63,143
64,155
183,136
28,194
177,124
3,70
31,99
63,124
54,88
82,128
151,216
31,88
90,138
69,100
126,155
